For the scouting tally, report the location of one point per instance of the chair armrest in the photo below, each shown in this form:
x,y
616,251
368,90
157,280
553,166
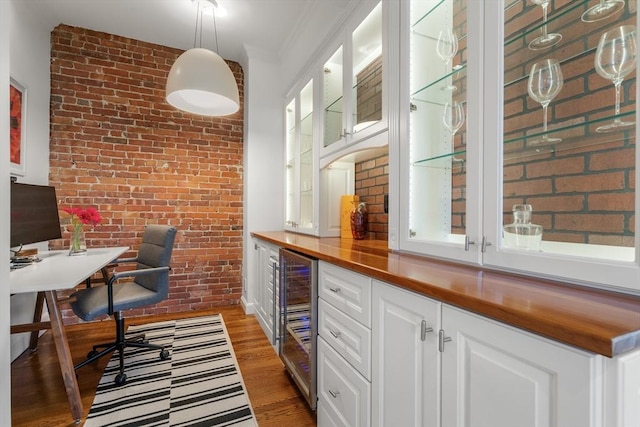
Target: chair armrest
x,y
136,273
123,260
131,273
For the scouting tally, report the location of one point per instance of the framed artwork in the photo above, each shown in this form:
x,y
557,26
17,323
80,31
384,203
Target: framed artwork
x,y
17,124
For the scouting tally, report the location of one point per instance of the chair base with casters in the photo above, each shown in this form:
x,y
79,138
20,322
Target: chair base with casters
x,y
147,284
119,345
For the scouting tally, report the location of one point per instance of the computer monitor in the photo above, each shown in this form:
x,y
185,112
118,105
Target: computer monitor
x,y
34,214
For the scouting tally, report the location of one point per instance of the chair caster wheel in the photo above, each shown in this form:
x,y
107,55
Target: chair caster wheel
x,y
164,354
120,379
91,354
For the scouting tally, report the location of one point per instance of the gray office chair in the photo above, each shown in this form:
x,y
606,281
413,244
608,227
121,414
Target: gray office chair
x,y
149,285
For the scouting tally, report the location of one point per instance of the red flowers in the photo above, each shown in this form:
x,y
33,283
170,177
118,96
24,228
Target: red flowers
x,y
88,216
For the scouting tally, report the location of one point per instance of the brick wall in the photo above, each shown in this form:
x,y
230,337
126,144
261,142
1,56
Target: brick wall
x,y
118,146
372,183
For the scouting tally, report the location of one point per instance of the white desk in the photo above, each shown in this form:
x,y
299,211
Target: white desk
x,y
57,271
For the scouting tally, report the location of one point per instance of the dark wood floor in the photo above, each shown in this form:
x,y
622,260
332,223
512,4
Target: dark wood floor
x,y
37,391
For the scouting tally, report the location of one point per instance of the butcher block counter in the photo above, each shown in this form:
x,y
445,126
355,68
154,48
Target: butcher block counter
x,y
599,321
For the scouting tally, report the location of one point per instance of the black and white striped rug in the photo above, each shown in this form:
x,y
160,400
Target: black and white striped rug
x,y
199,385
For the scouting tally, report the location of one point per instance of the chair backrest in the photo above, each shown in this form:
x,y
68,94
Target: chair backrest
x,y
155,251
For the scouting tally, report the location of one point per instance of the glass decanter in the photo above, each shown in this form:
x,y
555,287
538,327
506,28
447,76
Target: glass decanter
x,y
522,234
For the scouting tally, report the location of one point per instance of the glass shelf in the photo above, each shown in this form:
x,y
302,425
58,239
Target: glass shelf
x,y
335,106
434,88
575,136
367,77
453,161
425,15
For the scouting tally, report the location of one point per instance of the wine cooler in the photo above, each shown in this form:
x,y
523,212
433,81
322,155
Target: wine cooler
x,y
299,320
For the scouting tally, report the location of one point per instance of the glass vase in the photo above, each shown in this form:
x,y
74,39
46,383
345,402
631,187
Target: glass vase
x,y
359,221
522,234
78,245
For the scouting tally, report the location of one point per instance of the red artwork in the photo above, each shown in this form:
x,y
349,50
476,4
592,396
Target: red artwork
x,y
15,96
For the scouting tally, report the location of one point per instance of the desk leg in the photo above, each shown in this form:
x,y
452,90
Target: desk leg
x,y
64,356
37,317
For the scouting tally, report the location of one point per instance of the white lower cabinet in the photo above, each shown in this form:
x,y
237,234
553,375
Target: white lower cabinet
x,y
437,365
405,358
497,376
266,296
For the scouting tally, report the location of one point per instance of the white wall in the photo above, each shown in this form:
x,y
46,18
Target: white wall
x,y
263,156
5,371
29,52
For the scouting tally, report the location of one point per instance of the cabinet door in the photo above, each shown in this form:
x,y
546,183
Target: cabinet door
x,y
259,300
568,147
498,376
301,162
440,107
405,358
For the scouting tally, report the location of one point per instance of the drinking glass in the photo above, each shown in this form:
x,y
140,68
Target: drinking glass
x,y
453,118
602,10
447,48
545,83
615,58
546,40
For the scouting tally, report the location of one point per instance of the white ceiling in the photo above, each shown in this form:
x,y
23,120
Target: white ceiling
x,y
269,25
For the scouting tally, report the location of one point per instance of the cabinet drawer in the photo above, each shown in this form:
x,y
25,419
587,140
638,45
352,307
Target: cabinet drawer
x,y
348,291
349,338
343,394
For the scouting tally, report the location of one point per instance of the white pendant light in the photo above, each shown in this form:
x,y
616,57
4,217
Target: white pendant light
x,y
201,82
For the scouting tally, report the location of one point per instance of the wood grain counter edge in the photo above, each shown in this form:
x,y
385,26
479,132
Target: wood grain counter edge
x,y
599,321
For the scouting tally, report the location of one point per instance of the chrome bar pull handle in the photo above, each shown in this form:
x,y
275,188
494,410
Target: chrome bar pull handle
x,y
442,339
423,330
485,244
336,334
467,243
336,290
334,394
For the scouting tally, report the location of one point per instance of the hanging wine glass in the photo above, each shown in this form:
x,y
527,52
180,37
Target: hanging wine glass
x,y
546,40
447,48
615,58
545,83
602,10
453,118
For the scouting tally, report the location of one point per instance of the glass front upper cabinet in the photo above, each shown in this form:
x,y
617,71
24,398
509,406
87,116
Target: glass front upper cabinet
x,y
353,84
291,208
440,113
301,168
569,151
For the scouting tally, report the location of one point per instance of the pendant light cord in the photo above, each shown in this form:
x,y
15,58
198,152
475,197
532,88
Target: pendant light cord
x,y
199,24
215,30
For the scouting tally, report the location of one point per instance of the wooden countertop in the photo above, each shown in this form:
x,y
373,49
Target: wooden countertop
x,y
599,321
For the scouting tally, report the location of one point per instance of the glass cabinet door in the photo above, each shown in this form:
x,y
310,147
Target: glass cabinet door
x,y
440,108
569,151
333,99
301,168
291,208
366,49
306,158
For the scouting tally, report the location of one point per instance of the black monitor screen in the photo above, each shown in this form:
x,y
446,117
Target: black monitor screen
x,y
34,214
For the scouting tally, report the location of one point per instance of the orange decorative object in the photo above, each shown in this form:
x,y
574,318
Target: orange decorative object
x,y
15,124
